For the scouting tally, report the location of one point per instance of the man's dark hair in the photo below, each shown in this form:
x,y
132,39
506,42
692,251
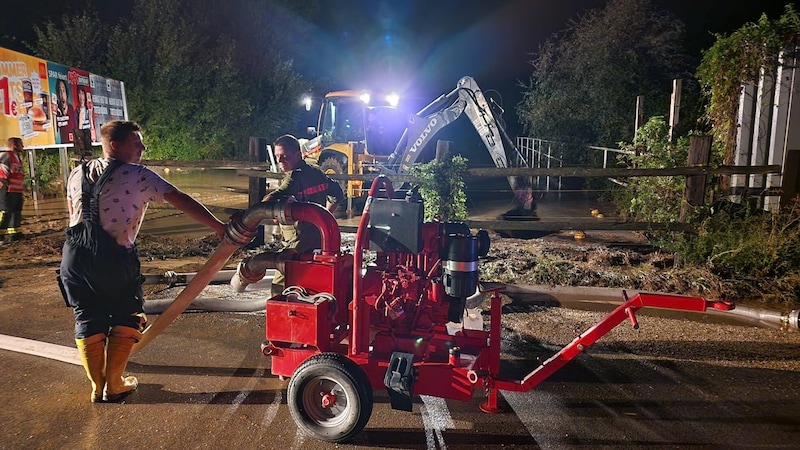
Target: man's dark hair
x,y
14,140
288,142
118,130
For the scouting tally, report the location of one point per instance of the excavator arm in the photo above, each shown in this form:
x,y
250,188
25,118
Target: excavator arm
x,y
465,98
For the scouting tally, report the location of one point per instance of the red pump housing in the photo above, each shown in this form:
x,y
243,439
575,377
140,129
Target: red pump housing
x,y
388,316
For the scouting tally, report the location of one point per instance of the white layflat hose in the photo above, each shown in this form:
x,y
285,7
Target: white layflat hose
x,y
189,293
790,320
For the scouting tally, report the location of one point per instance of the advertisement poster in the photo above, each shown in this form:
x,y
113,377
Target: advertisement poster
x,y
107,101
44,102
25,99
84,119
62,102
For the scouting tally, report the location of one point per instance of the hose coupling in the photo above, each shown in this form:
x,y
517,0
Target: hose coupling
x,y
238,233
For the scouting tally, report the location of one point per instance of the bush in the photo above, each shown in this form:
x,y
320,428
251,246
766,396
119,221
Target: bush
x,y
653,199
442,188
759,250
48,173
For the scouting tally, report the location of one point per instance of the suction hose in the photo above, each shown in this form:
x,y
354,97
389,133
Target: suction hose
x,y
241,230
253,269
172,279
581,297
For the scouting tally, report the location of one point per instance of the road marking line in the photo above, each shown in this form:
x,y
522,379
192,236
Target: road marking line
x,y
436,418
538,411
272,409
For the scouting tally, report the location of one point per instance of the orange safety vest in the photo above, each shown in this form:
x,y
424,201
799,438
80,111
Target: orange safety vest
x,y
12,170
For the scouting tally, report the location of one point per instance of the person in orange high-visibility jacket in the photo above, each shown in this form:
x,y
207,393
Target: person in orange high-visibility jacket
x,y
12,187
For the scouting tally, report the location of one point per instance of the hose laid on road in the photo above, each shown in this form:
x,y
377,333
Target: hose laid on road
x,y
209,304
573,296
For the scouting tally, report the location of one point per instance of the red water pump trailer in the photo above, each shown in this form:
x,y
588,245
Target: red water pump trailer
x,y
390,314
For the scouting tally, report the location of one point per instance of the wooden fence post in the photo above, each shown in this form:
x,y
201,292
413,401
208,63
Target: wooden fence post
x,y
257,187
695,192
443,152
791,177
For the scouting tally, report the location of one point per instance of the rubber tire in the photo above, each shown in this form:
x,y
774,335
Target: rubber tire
x,y
334,373
332,165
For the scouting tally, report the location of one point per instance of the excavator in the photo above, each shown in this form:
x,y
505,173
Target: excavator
x,y
357,135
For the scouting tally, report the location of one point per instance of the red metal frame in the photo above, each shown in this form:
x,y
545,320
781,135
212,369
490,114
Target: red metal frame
x,y
627,310
446,365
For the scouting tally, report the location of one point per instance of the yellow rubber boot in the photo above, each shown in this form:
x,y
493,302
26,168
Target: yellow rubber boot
x,y
120,345
92,351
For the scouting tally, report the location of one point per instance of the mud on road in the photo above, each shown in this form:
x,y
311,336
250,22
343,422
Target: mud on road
x,y
753,365
602,259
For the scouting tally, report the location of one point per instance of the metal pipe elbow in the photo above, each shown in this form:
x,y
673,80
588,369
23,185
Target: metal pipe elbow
x,y
244,227
331,238
252,270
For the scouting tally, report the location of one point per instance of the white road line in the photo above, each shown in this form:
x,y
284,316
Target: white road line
x,y
299,439
272,409
436,418
538,411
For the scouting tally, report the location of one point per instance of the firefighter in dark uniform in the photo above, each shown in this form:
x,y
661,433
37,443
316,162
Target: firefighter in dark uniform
x,y
306,184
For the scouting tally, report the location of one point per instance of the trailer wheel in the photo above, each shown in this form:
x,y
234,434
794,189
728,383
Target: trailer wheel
x,y
330,398
333,166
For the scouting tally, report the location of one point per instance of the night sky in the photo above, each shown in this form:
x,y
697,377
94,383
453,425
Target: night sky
x,y
422,48
425,46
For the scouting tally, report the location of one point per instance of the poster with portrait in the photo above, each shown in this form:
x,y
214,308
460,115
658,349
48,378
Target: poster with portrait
x,y
62,102
84,119
24,99
44,102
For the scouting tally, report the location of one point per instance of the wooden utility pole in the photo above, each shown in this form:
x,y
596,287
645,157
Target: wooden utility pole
x,y
639,120
791,177
257,187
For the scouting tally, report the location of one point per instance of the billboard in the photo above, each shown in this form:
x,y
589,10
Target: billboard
x,y
45,103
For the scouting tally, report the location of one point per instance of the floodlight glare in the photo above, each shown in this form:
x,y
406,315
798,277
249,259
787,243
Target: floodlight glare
x,y
393,99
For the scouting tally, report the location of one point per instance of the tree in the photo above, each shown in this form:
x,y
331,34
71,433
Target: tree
x,y
586,78
201,76
441,185
78,41
738,59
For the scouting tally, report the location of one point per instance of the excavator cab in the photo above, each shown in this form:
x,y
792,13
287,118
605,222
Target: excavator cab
x,y
356,131
347,118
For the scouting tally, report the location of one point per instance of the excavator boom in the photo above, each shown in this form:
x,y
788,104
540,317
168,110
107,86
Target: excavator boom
x,y
467,98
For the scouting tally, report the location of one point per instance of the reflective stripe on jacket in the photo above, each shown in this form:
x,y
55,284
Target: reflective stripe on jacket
x,y
11,169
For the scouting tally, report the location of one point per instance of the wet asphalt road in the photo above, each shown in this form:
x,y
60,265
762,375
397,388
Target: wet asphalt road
x,y
204,384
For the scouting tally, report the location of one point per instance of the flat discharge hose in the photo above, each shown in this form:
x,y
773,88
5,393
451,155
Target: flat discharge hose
x,y
189,293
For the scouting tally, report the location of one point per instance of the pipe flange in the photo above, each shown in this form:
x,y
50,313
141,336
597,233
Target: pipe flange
x,y
170,278
249,275
238,233
282,210
794,318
